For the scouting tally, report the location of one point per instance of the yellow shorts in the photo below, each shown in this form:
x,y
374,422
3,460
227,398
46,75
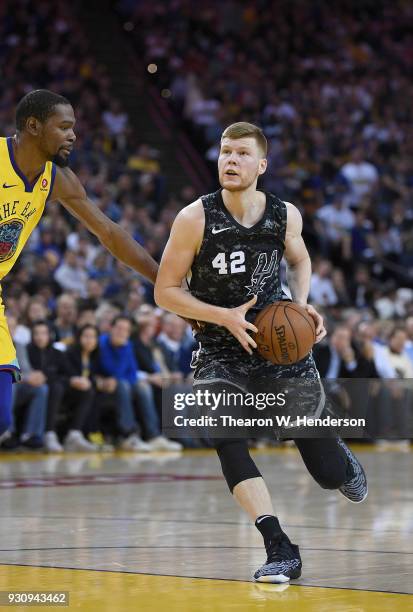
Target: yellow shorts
x,y
8,359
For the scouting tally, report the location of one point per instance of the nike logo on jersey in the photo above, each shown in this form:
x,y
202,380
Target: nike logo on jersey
x,y
218,231
8,186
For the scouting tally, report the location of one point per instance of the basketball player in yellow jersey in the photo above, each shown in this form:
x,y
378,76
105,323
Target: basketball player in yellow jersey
x,y
33,171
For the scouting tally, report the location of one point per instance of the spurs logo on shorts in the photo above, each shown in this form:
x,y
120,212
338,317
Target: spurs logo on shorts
x,y
262,272
9,238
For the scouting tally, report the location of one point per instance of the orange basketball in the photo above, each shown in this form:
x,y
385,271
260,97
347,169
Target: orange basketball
x,y
286,333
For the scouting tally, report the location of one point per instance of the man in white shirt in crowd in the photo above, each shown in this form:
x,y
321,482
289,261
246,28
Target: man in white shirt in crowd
x,y
336,219
71,274
361,175
402,392
322,291
367,332
396,351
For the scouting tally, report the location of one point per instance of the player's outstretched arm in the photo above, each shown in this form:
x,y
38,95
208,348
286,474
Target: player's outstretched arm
x,y
299,267
71,194
180,251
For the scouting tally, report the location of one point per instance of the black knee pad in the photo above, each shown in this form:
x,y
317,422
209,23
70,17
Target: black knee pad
x,y
325,460
236,461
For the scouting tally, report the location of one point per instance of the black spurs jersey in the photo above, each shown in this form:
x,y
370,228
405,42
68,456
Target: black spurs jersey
x,y
235,262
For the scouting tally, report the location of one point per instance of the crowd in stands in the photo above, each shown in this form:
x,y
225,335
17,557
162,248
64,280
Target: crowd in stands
x,y
95,352
66,291
328,82
101,382
43,45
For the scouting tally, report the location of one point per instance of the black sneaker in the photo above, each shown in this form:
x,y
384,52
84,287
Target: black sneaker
x,y
355,488
10,442
32,443
283,562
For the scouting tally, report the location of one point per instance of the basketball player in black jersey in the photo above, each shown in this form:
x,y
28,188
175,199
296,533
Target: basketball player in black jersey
x,y
231,243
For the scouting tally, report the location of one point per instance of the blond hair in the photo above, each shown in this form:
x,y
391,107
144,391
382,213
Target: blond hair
x,y
243,129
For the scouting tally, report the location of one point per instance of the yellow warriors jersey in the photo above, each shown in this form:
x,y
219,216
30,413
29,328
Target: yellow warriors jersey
x,y
21,204
21,207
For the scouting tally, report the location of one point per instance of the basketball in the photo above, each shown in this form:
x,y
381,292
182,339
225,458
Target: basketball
x,y
286,333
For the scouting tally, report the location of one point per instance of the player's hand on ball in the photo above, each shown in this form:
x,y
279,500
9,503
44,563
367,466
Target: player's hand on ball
x,y
320,330
236,323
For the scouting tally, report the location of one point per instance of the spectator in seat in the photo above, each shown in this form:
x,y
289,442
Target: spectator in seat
x,y
361,175
341,358
71,274
358,245
402,392
118,363
149,355
151,360
144,159
66,315
94,292
396,353
106,313
322,290
35,311
45,358
361,288
367,333
338,280
29,402
82,364
116,122
334,221
171,342
87,316
42,276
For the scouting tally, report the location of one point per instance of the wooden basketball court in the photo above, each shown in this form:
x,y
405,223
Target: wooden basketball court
x,y
127,532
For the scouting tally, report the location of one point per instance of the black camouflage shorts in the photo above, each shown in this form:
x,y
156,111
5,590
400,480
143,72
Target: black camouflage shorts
x,y
236,366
